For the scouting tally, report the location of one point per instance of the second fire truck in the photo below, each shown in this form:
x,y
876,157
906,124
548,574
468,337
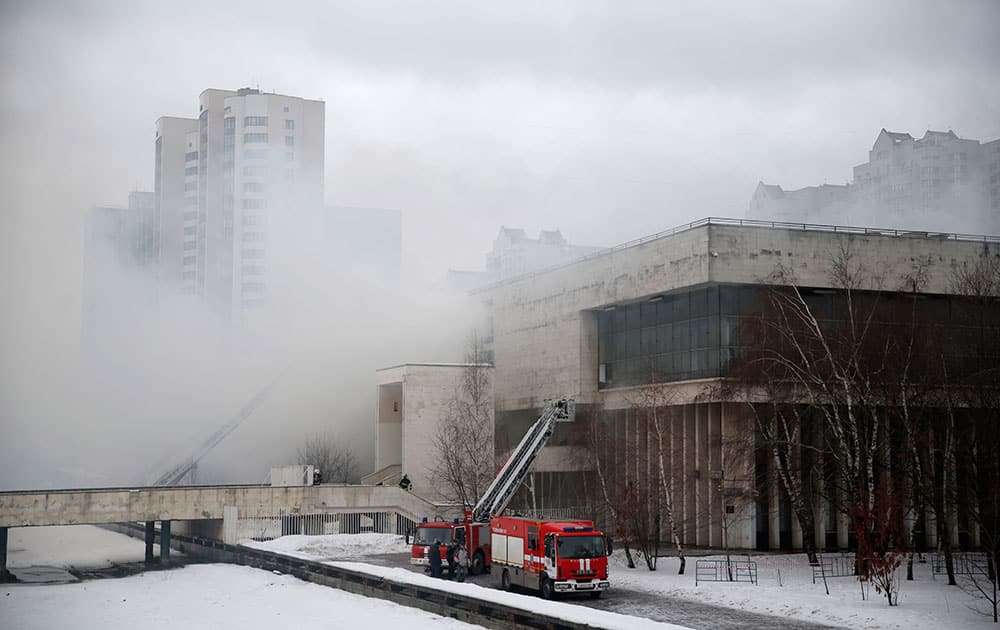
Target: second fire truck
x,y
549,556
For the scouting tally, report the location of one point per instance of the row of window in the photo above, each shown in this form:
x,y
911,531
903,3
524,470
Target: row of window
x,y
254,187
190,156
254,204
254,137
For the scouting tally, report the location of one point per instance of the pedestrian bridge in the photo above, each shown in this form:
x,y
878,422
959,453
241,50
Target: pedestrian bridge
x,y
225,506
94,506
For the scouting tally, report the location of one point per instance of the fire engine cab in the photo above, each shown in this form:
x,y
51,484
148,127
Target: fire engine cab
x,y
550,556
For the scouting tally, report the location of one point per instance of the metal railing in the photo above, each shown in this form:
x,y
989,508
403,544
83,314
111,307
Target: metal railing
x,y
725,571
752,223
832,567
963,563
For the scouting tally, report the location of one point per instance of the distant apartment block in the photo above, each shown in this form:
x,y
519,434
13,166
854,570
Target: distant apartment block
x,y
939,182
515,253
119,265
226,182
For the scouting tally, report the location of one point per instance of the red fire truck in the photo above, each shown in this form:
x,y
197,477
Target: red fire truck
x,y
532,566
474,536
550,556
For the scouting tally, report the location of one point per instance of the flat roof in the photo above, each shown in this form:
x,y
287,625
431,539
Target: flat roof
x,y
749,223
393,367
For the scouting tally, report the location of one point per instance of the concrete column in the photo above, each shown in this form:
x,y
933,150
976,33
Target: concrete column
x,y
5,575
774,507
690,482
704,481
716,489
150,538
164,542
796,526
820,504
930,528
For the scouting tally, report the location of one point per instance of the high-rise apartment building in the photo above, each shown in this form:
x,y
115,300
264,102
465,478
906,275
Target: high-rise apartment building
x,y
939,182
231,185
118,268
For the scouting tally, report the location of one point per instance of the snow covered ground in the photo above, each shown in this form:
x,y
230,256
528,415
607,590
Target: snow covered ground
x,y
202,597
72,545
925,603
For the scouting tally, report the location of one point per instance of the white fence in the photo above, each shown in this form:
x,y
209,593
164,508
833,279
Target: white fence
x,y
269,525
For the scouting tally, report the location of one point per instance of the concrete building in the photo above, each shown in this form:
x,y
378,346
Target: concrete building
x,y
668,311
939,182
119,267
412,401
233,186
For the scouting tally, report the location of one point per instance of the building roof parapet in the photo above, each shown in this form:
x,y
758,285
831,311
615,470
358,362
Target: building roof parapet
x,y
458,365
751,223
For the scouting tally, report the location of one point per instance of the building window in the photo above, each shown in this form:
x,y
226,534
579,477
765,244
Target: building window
x,y
289,157
252,220
254,187
249,138
286,109
190,246
289,141
190,156
191,170
188,231
253,254
252,287
255,171
252,270
254,204
253,237
255,121
255,154
229,123
190,260
189,186
289,124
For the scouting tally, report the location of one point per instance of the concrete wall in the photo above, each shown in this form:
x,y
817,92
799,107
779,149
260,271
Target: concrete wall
x,y
427,390
389,425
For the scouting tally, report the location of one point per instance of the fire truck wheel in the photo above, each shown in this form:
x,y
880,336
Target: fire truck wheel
x,y
546,587
505,580
478,563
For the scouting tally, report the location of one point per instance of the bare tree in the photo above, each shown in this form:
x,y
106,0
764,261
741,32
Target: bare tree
x,y
336,461
463,445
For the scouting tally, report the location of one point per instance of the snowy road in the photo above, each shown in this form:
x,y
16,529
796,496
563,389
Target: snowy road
x,y
689,613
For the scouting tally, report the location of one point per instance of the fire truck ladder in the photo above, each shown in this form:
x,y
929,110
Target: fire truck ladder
x,y
513,472
174,476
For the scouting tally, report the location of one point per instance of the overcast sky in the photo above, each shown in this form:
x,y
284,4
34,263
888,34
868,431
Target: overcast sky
x,y
608,120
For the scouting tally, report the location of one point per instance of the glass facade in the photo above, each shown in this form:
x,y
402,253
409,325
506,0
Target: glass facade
x,y
698,333
673,337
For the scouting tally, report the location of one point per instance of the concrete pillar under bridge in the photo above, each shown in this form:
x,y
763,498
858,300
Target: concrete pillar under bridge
x,y
5,575
150,539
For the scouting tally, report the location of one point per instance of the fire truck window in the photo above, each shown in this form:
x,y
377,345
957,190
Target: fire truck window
x,y
532,538
460,535
549,549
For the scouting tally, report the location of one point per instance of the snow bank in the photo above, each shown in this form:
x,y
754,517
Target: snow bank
x,y
204,597
334,546
561,610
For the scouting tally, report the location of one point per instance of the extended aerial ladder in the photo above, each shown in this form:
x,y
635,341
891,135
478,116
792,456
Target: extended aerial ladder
x,y
175,475
515,469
